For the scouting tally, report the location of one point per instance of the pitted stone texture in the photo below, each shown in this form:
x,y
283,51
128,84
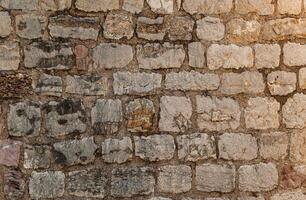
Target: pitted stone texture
x,y
253,197
297,147
10,152
24,119
154,147
240,30
48,85
133,6
14,184
294,115
161,6
96,6
294,54
49,184
174,179
19,4
5,24
117,150
281,82
207,6
118,25
196,54
9,56
160,56
210,29
215,178
66,26
262,7
267,55
248,82
151,28
132,181
48,55
111,55
258,178
192,81
237,146
72,152
289,195
302,78
36,157
180,28
229,57
87,85
273,145
262,113
140,114
30,26
216,114
55,5
195,147
106,111
65,117
293,7
175,114
136,83
87,183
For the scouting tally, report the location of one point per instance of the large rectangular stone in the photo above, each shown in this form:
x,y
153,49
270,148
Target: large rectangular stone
x,y
208,6
262,7
9,56
97,5
294,54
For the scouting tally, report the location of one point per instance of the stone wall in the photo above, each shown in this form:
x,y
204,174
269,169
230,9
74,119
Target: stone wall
x,y
153,99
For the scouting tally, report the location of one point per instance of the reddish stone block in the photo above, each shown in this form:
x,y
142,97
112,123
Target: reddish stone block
x,y
9,152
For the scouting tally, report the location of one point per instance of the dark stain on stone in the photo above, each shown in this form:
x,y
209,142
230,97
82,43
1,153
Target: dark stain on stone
x,y
59,158
57,60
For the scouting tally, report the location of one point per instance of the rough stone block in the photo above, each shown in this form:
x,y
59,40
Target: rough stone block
x,y
9,56
293,111
5,24
36,157
10,152
161,6
151,28
302,78
210,29
117,150
196,54
30,26
294,54
281,82
180,28
96,6
297,147
48,85
14,184
133,6
273,145
106,111
207,6
289,195
262,7
267,55
293,7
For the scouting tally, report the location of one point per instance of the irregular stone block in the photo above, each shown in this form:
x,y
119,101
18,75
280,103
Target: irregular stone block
x,y
96,6
9,56
262,7
19,4
154,147
294,54
72,152
207,6
48,85
106,111
281,82
117,150
55,5
253,197
267,55
10,152
161,6
175,114
174,179
297,147
14,184
180,28
273,145
216,114
302,78
36,157
196,54
293,111
65,117
195,147
136,83
151,29
210,29
133,6
159,56
191,81
132,181
289,195
5,24
30,26
293,7
24,119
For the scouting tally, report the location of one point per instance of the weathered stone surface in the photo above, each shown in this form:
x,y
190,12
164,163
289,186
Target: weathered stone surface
x,y
262,7
210,28
36,157
180,28
117,150
136,83
24,119
5,24
175,114
54,5
9,56
294,54
195,147
72,152
229,56
151,28
237,146
106,111
302,78
289,195
192,81
293,7
161,6
14,184
96,6
131,181
48,55
154,147
293,111
118,25
159,56
174,179
273,145
253,197
48,85
239,30
65,117
111,55
10,152
140,114
49,184
262,113
216,114
87,183
66,26
297,147
30,26
159,198
133,6
281,82
248,82
19,4
87,85
267,55
207,6
258,178
215,178
196,54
